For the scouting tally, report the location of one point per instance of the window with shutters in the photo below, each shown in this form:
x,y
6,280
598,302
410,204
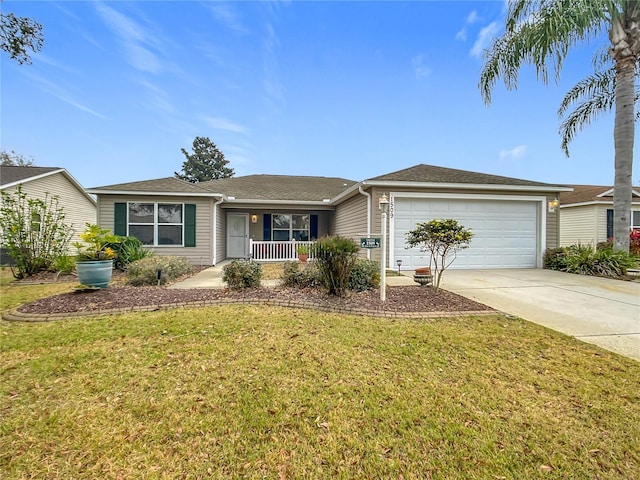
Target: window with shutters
x,y
156,223
286,227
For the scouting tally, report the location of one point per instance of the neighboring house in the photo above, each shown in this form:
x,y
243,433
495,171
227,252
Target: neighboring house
x,y
264,216
79,207
586,214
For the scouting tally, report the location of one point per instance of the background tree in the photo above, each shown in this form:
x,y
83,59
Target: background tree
x,y
205,163
13,159
538,32
19,36
442,240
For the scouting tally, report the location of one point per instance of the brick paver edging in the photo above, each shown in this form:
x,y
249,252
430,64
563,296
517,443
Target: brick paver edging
x,y
15,316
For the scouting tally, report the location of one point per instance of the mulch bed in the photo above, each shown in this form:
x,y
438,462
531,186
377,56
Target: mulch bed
x,y
407,299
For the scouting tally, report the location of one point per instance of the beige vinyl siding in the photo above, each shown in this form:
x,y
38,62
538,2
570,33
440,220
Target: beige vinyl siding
x,y
553,224
350,219
221,238
78,209
198,255
581,224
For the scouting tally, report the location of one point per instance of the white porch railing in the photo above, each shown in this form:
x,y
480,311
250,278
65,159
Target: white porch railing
x,y
265,251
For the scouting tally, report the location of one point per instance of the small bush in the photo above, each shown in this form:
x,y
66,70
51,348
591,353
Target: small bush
x,y
585,260
241,274
300,275
365,275
63,264
556,259
129,250
335,257
145,270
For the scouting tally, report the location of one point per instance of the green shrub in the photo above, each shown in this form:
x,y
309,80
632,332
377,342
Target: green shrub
x,y
556,259
129,250
241,274
585,260
32,231
63,264
145,270
335,257
300,275
365,274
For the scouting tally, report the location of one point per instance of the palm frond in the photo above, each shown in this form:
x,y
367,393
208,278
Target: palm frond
x,y
539,33
597,84
597,104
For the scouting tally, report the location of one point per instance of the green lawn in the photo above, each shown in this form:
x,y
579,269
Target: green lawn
x,y
255,392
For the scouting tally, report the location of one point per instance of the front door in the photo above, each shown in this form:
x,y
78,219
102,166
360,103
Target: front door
x,y
237,235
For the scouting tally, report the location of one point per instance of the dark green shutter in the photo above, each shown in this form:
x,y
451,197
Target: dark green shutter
x,y
120,219
266,227
314,227
609,223
189,225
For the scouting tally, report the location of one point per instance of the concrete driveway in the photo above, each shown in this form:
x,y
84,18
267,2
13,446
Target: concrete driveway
x,y
596,310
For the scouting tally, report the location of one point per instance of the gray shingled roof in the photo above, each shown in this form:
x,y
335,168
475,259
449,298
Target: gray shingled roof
x,y
164,185
431,174
250,187
279,187
589,193
11,174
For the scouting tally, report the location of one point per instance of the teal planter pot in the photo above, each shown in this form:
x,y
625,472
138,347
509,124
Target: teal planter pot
x,y
95,273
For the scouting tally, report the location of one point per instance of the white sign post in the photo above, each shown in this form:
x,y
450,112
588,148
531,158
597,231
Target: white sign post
x,y
383,205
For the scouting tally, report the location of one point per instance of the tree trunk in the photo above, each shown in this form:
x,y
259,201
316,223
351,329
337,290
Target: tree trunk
x,y
625,42
623,135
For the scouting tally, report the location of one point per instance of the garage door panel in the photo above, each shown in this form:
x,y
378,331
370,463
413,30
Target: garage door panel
x,y
505,232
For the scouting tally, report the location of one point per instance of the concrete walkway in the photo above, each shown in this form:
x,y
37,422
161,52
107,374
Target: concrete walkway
x,y
601,311
212,278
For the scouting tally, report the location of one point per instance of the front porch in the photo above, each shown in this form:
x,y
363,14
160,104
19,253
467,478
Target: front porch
x,y
278,251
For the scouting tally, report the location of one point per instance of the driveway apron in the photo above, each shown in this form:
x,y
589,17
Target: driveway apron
x,y
601,311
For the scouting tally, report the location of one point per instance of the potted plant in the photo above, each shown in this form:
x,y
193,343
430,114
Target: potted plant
x,y
303,252
94,262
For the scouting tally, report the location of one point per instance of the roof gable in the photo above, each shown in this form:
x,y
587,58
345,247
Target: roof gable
x,y
433,174
10,174
591,194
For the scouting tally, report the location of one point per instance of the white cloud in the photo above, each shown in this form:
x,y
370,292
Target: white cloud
x,y
514,154
60,93
471,19
137,42
419,68
218,123
228,16
483,40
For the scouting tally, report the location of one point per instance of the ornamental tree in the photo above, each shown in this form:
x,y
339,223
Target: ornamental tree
x,y
441,239
33,231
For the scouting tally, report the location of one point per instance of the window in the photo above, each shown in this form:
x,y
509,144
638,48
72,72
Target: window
x,y
286,227
36,221
156,223
635,219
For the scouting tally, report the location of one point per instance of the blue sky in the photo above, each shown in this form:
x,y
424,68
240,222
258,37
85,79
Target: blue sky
x,y
345,89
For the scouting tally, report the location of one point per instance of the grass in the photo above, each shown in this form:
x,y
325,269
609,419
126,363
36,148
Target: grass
x,y
254,392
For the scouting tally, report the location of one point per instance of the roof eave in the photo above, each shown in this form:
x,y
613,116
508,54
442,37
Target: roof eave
x,y
594,202
468,186
152,193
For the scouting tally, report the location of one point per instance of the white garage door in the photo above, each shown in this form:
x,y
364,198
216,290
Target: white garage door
x,y
505,232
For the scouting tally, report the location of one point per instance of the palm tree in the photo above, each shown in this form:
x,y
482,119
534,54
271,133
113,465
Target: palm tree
x,y
538,32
